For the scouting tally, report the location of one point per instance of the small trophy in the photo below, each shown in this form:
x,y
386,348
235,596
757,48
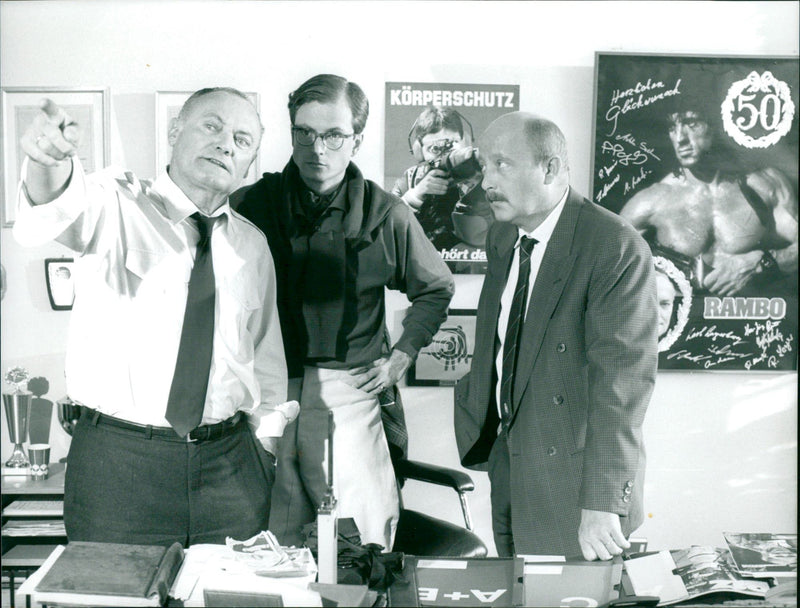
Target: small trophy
x,y
18,408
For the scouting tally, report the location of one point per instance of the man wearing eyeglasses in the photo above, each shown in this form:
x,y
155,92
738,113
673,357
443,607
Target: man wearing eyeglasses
x,y
338,241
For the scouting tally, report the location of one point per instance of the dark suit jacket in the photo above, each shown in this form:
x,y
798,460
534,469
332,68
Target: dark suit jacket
x,y
585,373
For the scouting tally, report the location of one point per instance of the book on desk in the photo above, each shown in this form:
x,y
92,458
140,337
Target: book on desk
x,y
106,574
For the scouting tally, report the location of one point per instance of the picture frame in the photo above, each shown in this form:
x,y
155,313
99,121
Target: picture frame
x,y
60,279
88,106
699,153
168,105
449,355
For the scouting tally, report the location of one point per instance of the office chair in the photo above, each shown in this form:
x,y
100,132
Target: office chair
x,y
420,534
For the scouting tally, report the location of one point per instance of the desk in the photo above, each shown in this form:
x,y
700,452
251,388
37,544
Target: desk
x,y
497,584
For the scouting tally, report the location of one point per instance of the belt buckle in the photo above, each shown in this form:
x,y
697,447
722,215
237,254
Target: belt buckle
x,y
189,438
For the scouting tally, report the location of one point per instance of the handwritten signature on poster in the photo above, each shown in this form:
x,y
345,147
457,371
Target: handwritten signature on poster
x,y
758,343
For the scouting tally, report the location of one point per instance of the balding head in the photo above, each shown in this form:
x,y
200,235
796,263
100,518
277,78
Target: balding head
x,y
525,170
542,136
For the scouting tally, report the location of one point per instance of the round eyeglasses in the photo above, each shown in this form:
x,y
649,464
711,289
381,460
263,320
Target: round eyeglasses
x,y
333,140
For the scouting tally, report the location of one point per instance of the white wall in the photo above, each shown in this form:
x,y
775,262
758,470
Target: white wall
x,y
722,446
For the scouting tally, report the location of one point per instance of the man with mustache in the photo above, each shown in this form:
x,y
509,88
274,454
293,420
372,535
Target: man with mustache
x,y
734,229
565,355
175,349
339,241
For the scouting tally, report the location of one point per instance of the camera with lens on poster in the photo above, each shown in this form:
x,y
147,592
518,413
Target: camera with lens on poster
x,y
460,164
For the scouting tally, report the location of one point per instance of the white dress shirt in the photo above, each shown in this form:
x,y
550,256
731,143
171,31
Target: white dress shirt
x,y
135,245
542,234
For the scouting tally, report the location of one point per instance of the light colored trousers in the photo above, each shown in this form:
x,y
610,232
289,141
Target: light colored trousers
x,y
364,481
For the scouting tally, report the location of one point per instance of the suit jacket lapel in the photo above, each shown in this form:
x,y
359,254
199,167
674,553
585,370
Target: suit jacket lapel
x,y
498,273
501,244
550,281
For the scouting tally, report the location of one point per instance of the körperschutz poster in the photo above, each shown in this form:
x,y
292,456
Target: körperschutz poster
x,y
430,162
700,154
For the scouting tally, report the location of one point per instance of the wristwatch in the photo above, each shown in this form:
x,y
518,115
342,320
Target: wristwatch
x,y
767,263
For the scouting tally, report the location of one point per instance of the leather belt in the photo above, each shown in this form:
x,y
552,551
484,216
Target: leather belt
x,y
206,432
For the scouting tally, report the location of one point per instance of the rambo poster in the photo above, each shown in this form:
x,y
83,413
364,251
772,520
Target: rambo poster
x,y
700,154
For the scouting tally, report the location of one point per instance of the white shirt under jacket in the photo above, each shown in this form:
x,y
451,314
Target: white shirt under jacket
x,y
542,234
136,249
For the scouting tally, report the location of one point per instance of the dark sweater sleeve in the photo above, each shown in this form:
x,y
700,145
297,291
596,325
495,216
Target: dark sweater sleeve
x,y
423,277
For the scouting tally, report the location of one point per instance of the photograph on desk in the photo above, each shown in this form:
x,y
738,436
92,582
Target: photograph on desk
x,y
763,555
683,574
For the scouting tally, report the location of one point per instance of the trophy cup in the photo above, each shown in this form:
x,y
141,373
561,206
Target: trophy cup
x,y
18,407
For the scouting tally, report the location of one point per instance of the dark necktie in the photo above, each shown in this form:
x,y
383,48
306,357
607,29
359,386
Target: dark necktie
x,y
514,329
187,396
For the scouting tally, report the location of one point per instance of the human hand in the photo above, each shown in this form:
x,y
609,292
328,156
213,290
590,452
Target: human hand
x,y
434,182
732,272
382,373
52,136
600,535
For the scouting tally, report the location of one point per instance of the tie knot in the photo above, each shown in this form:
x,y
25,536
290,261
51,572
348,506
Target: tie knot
x,y
526,246
205,225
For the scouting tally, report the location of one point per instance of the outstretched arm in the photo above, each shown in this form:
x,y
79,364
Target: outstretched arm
x,y
49,142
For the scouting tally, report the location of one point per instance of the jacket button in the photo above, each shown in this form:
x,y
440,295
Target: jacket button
x,y
626,498
628,484
561,347
551,451
558,399
627,491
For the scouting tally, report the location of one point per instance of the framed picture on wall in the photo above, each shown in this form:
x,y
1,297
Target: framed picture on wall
x,y
449,356
58,273
168,105
89,107
429,135
700,154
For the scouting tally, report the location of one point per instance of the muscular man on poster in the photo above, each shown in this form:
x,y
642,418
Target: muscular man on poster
x,y
734,230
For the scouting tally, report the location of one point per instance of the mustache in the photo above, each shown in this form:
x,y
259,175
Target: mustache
x,y
492,196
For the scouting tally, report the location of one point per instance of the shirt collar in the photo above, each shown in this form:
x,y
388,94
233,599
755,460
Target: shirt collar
x,y
178,205
333,199
544,231
337,199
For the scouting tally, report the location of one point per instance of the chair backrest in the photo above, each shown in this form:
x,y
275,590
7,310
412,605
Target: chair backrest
x,y
420,534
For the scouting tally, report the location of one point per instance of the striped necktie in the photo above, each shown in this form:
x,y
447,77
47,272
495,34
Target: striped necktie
x,y
514,329
187,395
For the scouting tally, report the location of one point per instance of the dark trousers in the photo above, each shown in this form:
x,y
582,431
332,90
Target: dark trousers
x,y
499,478
123,487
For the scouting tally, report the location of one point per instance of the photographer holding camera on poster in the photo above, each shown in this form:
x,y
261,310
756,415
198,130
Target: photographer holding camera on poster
x,y
443,188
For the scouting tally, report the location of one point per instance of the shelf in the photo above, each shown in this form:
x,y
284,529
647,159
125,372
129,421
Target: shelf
x,y
16,485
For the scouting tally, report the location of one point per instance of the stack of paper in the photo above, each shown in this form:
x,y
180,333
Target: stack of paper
x,y
34,527
35,508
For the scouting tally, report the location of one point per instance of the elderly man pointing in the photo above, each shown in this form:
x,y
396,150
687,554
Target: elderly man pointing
x,y
175,348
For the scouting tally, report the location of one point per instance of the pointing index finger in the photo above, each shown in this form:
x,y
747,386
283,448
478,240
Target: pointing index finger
x,y
54,113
